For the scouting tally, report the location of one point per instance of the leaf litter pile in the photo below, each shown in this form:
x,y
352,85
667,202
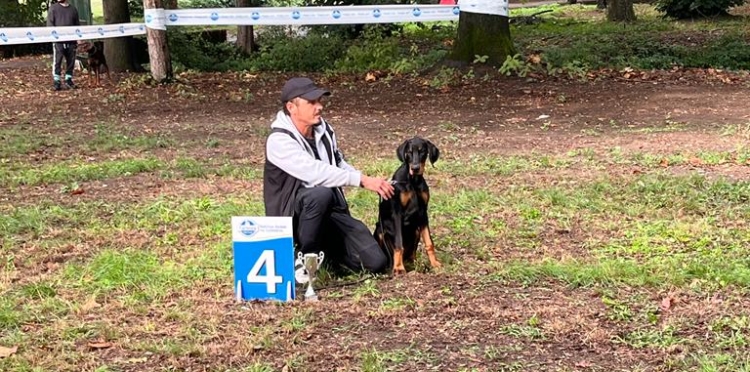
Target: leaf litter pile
x,y
584,224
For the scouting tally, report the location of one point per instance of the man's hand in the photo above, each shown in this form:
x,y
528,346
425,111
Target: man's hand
x,y
380,186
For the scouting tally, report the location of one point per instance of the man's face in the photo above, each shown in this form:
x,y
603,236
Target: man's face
x,y
305,112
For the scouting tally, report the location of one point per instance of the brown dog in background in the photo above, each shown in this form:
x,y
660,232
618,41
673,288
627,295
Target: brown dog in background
x,y
95,60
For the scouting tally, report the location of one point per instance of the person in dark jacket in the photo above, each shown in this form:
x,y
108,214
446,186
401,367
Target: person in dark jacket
x,y
62,14
304,175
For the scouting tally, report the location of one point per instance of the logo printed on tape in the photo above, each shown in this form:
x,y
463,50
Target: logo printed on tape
x,y
255,16
4,37
79,33
30,35
149,18
336,14
141,27
456,10
214,16
100,30
295,14
55,35
376,13
122,29
173,17
248,228
416,12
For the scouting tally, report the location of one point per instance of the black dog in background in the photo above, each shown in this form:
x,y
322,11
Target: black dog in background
x,y
95,60
403,219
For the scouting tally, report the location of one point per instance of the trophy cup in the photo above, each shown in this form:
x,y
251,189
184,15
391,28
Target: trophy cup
x,y
312,263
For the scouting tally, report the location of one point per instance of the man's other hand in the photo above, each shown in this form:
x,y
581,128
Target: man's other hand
x,y
380,186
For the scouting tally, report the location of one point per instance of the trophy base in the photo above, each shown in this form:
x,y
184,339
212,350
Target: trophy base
x,y
310,294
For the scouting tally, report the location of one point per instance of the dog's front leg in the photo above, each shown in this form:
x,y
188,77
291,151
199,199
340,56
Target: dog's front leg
x,y
398,249
429,246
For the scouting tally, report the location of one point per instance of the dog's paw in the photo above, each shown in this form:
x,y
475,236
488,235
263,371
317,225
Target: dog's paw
x,y
397,271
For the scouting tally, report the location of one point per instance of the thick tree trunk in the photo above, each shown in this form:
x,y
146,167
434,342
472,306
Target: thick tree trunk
x,y
245,34
158,49
620,11
117,50
482,35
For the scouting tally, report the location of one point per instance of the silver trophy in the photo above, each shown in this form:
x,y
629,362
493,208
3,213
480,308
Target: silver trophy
x,y
311,263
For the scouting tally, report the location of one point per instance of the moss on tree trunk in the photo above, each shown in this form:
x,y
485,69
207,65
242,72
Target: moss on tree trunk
x,y
620,11
482,35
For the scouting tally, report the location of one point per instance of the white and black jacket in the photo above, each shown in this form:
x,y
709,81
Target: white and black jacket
x,y
291,164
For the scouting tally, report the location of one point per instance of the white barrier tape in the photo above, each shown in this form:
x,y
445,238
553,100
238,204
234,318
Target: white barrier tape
x,y
319,15
160,19
155,18
494,7
31,35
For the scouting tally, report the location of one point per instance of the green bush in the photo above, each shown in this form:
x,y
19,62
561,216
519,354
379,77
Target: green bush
x,y
305,53
683,9
189,51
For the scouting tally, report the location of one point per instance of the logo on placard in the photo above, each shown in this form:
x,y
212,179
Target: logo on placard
x,y
214,16
149,18
416,12
336,14
30,35
376,13
255,16
55,34
4,37
295,14
122,29
100,30
79,33
140,27
173,17
248,228
456,10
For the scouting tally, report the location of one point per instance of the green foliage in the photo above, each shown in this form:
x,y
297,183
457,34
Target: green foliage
x,y
26,14
684,9
191,52
205,3
298,53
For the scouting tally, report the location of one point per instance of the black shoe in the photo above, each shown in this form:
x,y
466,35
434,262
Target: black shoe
x,y
70,84
57,85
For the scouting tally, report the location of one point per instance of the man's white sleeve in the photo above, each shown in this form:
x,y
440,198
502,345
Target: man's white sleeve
x,y
287,154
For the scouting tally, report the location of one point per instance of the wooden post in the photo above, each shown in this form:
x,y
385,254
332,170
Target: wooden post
x,y
158,49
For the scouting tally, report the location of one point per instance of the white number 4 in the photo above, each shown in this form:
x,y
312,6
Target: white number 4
x,y
268,259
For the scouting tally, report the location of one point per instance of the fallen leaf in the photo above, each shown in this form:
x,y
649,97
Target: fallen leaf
x,y
535,59
666,304
370,77
583,364
664,162
6,352
695,161
100,345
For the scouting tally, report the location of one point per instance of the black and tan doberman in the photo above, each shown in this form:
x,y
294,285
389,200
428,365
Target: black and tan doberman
x,y
403,220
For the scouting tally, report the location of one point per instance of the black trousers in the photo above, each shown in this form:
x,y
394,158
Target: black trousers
x,y
325,224
60,51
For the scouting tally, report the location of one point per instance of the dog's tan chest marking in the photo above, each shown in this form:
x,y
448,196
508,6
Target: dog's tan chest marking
x,y
405,198
425,195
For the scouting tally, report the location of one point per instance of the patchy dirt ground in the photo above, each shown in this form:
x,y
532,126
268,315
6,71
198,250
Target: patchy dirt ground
x,y
445,321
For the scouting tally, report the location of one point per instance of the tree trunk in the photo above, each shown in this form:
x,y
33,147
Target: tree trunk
x,y
245,34
170,4
158,49
620,11
117,50
482,35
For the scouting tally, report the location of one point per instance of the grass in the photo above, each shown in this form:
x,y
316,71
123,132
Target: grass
x,y
542,250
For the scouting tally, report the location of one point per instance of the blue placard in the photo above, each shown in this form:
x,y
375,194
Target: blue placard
x,y
263,258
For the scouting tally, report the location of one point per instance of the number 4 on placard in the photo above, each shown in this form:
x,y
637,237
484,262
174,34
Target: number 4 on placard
x,y
268,259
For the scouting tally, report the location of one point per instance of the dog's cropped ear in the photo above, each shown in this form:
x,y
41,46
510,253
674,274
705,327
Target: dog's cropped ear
x,y
401,151
433,151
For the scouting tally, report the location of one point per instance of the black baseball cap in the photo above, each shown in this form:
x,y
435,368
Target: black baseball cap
x,y
302,87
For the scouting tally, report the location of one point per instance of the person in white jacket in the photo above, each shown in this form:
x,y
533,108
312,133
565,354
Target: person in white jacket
x,y
303,177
